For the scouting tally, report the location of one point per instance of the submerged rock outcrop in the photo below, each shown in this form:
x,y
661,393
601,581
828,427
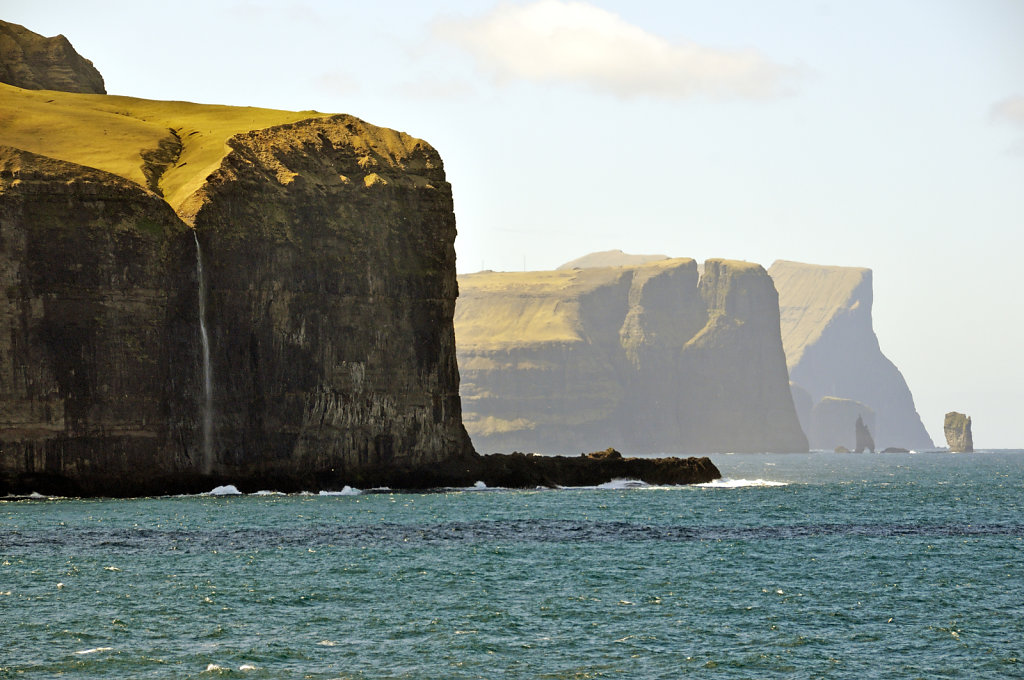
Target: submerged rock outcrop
x,y
957,428
329,281
651,358
832,350
33,62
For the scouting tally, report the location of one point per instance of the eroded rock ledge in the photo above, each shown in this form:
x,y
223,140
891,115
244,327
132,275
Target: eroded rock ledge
x,y
507,470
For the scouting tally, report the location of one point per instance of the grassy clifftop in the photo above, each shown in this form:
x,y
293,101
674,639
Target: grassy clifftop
x,y
131,137
170,147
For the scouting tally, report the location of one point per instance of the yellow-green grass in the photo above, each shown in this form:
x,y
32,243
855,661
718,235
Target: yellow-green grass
x,y
110,132
501,310
811,297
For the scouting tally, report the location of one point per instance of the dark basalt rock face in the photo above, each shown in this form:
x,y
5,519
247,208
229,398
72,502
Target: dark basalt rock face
x,y
96,331
521,470
957,428
33,62
331,287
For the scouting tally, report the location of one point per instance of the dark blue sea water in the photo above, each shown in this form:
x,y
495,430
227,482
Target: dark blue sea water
x,y
801,566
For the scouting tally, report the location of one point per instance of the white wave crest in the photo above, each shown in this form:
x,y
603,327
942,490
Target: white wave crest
x,y
94,650
347,491
623,484
726,483
226,490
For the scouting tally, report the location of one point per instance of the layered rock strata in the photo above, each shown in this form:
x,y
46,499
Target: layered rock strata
x,y
650,358
33,62
832,350
957,428
329,282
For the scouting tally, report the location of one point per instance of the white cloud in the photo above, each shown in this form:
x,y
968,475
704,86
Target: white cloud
x,y
569,41
1010,110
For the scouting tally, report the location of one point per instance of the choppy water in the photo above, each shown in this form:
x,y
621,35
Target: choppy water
x,y
799,566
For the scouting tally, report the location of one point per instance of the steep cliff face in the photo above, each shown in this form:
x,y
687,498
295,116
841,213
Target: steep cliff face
x,y
832,350
649,358
331,283
96,330
33,62
329,273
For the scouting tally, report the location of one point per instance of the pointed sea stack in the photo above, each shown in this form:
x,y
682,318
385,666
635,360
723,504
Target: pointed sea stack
x,y
865,442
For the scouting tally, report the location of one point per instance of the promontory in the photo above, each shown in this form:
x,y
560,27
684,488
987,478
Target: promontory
x,y
197,295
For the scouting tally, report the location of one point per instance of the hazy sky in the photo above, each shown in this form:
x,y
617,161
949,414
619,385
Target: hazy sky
x,y
884,134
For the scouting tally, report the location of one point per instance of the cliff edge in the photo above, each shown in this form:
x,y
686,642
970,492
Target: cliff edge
x,y
205,294
650,358
832,350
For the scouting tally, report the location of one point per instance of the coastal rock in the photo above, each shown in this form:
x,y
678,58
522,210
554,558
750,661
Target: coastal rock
x,y
654,358
517,470
832,350
329,268
31,61
957,428
862,435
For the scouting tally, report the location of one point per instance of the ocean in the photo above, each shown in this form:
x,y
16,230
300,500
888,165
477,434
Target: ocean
x,y
795,566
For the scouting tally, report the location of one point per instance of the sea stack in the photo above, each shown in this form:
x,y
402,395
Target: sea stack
x,y
865,442
957,428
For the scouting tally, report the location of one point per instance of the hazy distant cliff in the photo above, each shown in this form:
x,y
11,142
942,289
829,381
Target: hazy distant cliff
x,y
330,287
648,358
832,351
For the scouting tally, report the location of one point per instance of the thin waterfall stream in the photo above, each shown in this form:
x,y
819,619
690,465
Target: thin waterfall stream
x,y
207,368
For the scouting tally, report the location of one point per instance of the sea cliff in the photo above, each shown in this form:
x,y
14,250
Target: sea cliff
x,y
655,357
832,351
328,262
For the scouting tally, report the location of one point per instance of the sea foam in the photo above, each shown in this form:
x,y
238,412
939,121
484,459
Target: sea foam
x,y
623,484
726,483
226,490
347,491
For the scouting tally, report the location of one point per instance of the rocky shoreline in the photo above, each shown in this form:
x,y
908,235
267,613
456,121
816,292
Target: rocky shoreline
x,y
512,470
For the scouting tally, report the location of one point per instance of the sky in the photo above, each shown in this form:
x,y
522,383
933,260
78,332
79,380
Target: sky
x,y
882,134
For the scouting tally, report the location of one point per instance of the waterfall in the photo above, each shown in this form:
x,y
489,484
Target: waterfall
x,y
207,369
